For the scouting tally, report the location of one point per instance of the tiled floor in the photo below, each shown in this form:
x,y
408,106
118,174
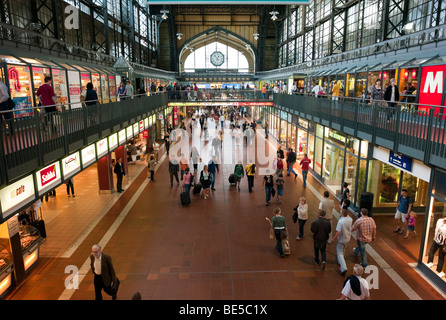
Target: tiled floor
x,y
214,249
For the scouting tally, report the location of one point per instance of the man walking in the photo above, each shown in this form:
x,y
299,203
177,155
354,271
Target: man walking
x,y
104,272
327,205
366,233
343,235
250,169
403,208
174,167
120,173
321,229
291,160
305,166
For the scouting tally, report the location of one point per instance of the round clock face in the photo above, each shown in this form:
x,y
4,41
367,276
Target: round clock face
x,y
217,58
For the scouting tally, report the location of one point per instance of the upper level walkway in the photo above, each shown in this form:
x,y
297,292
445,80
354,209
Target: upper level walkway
x,y
32,143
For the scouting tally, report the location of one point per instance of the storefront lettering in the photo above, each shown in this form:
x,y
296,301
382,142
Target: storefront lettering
x,y
48,175
18,191
14,75
433,84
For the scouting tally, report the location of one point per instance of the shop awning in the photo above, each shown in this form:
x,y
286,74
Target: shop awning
x,y
434,60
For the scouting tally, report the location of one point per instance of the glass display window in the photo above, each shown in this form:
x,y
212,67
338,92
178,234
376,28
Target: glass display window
x,y
435,235
96,80
39,74
333,167
372,77
310,152
387,75
112,87
302,144
283,131
60,85
104,88
19,77
85,78
318,156
351,167
350,90
408,83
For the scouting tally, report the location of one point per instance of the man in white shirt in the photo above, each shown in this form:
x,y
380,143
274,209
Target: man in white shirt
x,y
343,235
356,287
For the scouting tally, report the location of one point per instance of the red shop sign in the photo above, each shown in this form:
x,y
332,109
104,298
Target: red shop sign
x,y
431,87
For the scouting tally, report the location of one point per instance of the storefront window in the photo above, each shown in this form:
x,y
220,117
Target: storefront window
x,y
283,131
333,167
318,156
291,137
85,78
60,85
436,220
389,183
104,88
408,84
112,86
373,76
351,164
301,147
96,80
350,92
309,150
361,83
20,88
361,180
387,75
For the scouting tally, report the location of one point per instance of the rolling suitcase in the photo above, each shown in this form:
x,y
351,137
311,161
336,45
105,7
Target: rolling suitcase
x,y
286,247
197,189
185,198
231,179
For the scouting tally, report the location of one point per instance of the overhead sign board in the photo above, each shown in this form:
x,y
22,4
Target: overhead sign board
x,y
48,177
16,195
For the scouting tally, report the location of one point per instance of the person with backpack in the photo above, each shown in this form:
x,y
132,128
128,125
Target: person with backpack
x,y
250,173
278,164
239,174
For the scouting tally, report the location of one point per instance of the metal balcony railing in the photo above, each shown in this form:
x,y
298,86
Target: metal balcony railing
x,y
416,130
219,95
30,143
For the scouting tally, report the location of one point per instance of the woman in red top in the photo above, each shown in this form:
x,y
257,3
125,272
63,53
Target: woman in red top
x,y
305,165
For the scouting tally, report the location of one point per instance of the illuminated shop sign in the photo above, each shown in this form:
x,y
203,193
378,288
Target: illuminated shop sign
x,y
48,177
146,123
16,195
129,132
141,125
135,128
71,165
113,141
431,87
102,147
88,155
121,136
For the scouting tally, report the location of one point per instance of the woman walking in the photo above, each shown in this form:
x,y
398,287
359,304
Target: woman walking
x,y
205,180
239,174
187,180
302,216
278,224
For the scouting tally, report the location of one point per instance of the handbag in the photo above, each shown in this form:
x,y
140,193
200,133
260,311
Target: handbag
x,y
295,217
273,192
11,104
115,287
271,233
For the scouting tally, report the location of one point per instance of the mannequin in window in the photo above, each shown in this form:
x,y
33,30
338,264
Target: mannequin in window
x,y
438,243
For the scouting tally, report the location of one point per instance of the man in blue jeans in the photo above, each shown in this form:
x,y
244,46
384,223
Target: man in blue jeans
x,y
366,233
268,184
305,165
321,229
213,169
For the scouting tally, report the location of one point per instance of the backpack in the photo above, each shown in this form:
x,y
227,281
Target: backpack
x,y
279,164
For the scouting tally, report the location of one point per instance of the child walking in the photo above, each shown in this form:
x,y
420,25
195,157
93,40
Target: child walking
x,y
411,224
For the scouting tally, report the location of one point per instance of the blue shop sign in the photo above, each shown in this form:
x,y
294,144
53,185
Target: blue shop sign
x,y
400,161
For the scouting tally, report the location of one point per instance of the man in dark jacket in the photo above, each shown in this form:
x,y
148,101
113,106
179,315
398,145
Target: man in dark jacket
x,y
120,173
291,160
174,167
321,229
104,272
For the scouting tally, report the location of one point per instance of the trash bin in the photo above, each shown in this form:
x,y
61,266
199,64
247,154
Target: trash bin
x,y
367,202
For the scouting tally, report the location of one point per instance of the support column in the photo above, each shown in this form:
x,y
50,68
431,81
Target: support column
x,y
105,174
